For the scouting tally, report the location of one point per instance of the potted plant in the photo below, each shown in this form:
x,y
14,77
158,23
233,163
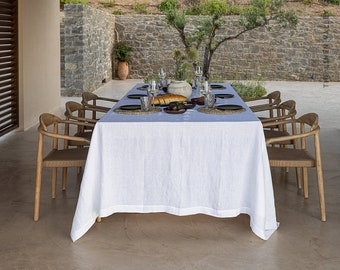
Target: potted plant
x,y
180,86
123,50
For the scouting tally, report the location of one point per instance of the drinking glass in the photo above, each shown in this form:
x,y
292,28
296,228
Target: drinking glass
x,y
146,103
209,100
205,90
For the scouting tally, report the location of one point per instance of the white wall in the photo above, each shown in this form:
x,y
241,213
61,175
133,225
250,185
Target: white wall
x,y
39,60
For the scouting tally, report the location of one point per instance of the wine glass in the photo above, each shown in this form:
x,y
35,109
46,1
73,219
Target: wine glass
x,y
201,82
161,73
198,71
152,89
205,90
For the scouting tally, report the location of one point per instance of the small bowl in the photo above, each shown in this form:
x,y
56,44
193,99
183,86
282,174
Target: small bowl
x,y
199,101
189,104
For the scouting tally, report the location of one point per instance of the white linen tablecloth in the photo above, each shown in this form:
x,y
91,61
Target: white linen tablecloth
x,y
180,164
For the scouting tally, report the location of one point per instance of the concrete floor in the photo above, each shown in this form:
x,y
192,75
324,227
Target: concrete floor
x,y
162,241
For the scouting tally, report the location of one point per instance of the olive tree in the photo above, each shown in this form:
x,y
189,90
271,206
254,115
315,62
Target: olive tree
x,y
208,36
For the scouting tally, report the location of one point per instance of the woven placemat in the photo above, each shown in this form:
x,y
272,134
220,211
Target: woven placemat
x,y
217,111
153,110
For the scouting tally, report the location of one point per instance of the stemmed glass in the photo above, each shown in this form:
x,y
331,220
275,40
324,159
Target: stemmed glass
x,y
152,89
206,88
198,71
201,83
161,73
197,79
162,79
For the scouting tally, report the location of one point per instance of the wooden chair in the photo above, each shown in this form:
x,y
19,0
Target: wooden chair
x,y
300,157
286,110
55,128
90,100
265,103
78,112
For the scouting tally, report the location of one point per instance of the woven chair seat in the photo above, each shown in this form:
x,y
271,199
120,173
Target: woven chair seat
x,y
72,157
289,157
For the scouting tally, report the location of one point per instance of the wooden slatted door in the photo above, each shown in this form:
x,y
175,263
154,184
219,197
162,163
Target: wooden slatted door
x,y
9,116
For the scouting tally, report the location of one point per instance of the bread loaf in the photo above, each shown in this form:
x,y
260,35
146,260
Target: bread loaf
x,y
165,99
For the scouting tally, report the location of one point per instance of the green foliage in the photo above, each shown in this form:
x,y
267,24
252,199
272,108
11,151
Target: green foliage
x,y
213,8
335,2
140,8
117,12
123,51
75,2
207,35
110,3
168,6
249,89
327,13
181,65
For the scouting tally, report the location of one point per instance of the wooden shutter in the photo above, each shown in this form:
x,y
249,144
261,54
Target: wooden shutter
x,y
9,116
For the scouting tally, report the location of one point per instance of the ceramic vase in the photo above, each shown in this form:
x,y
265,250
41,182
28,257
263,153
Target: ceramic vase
x,y
123,70
180,88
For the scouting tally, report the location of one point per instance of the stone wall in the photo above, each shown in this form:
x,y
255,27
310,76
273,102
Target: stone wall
x,y
311,52
87,40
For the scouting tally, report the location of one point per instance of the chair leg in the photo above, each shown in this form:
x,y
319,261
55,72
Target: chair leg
x,y
37,192
321,193
298,178
54,182
305,183
64,178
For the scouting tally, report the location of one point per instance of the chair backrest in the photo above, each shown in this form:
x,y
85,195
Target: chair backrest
x,y
309,126
274,97
89,100
88,97
305,126
45,128
287,108
54,127
46,120
75,110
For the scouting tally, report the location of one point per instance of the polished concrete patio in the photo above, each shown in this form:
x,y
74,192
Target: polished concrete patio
x,y
162,241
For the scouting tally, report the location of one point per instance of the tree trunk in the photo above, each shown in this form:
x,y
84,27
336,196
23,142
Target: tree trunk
x,y
206,63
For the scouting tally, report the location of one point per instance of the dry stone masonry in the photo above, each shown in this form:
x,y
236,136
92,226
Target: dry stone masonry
x,y
311,52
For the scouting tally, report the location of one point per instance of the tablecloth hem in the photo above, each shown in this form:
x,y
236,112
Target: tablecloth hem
x,y
265,235
78,233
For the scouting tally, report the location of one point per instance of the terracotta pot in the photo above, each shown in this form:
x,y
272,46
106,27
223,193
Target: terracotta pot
x,y
180,88
123,70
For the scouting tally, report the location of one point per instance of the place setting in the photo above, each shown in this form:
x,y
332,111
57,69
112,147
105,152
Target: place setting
x,y
209,102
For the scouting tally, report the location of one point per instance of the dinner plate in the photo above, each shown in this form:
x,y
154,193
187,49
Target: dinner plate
x,y
217,86
224,95
144,87
130,107
175,112
230,107
136,96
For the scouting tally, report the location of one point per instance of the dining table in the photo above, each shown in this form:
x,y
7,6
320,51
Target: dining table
x,y
202,161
